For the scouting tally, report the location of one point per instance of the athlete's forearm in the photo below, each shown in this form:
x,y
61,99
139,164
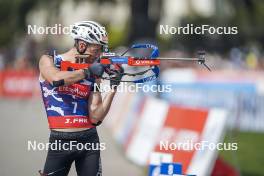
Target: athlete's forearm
x,y
100,109
107,102
69,77
52,74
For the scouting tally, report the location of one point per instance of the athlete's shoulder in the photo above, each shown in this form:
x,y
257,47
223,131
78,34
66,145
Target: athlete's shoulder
x,y
44,59
49,58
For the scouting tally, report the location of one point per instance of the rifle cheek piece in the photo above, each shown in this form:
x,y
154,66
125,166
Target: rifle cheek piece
x,y
58,83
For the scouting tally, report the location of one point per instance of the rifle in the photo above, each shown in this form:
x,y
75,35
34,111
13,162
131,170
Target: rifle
x,y
112,59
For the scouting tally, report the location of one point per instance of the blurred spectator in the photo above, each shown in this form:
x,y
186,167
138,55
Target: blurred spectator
x,y
2,62
22,63
251,60
236,57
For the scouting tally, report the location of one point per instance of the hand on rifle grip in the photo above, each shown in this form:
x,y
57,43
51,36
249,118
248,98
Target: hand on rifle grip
x,y
95,70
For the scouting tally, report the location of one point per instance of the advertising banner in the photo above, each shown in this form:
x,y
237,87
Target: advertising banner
x,y
19,84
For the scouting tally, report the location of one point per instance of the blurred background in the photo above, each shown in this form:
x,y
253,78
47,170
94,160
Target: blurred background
x,y
235,84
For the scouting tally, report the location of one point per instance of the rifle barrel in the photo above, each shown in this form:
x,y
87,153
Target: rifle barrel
x,y
180,59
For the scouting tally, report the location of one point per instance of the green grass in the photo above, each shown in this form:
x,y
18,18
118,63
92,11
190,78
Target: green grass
x,y
249,158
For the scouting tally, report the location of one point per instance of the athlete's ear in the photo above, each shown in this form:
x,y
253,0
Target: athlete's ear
x,y
81,46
